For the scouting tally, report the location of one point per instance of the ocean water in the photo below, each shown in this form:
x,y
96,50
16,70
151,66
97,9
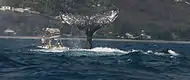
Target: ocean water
x,y
20,60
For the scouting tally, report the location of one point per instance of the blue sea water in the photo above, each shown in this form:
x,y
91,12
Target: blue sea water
x,y
19,60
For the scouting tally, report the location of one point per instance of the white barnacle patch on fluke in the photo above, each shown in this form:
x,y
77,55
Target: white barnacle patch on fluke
x,y
183,1
106,17
100,18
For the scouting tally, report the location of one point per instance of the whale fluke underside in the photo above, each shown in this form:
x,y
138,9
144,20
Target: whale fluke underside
x,y
90,24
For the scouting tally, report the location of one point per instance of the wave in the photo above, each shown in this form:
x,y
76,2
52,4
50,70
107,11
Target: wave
x,y
98,51
101,49
8,62
105,51
162,52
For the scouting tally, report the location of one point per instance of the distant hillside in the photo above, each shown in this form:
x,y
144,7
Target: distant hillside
x,y
162,19
25,24
159,18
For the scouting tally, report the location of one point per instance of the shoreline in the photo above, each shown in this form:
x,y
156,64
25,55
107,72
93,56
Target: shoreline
x,y
99,39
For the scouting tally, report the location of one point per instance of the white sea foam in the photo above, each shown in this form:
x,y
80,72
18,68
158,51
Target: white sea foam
x,y
100,51
173,52
159,53
46,50
51,50
168,52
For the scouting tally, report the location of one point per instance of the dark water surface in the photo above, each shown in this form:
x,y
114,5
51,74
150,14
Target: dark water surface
x,y
107,61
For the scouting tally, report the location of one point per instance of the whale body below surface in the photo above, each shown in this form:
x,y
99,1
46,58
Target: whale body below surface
x,y
90,24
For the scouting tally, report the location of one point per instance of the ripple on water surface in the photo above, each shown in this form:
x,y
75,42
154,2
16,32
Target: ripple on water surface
x,y
99,63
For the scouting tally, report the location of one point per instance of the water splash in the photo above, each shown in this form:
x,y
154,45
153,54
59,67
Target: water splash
x,y
104,51
98,51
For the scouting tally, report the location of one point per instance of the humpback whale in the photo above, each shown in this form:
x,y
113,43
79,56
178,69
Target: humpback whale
x,y
90,24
